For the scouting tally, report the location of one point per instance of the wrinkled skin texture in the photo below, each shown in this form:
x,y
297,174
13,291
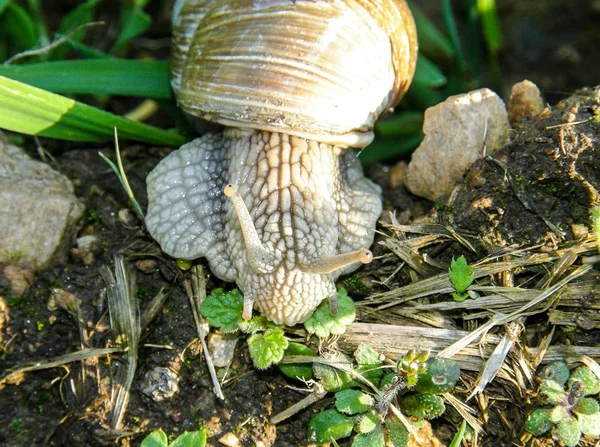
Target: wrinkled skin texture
x,y
307,200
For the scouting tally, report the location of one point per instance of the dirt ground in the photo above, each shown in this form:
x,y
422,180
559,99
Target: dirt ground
x,y
549,172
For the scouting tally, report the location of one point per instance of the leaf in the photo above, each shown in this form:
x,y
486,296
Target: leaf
x,y
157,438
422,406
268,348
461,274
81,15
190,439
369,422
323,324
143,78
457,440
538,421
371,439
440,376
353,401
589,424
398,434
428,74
333,379
33,111
591,383
587,406
568,431
553,391
328,425
134,22
223,310
255,324
369,363
18,25
303,371
557,371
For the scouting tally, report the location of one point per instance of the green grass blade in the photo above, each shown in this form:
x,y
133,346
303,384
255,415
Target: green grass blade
x,y
134,23
148,79
428,74
3,5
400,124
386,148
491,24
33,111
81,15
432,42
457,440
17,24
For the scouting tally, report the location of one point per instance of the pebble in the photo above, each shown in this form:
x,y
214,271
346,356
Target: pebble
x,y
40,213
525,102
230,440
160,383
19,279
222,348
457,132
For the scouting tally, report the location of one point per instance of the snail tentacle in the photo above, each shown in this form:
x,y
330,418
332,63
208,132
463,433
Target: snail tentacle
x,y
259,258
332,263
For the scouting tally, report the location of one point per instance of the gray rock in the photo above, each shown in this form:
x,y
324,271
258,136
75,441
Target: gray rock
x,y
457,132
160,383
40,213
222,348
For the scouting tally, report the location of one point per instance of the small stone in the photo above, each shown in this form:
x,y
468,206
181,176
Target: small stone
x,y
457,132
40,213
230,440
87,247
19,278
126,217
160,383
525,102
222,348
146,265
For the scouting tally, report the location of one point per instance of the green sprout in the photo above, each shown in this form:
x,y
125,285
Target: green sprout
x,y
158,438
366,413
461,276
571,412
268,343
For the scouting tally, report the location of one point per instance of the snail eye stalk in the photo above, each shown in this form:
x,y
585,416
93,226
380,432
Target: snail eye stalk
x,y
333,263
259,258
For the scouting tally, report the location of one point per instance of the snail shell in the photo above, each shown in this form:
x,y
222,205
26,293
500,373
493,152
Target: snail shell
x,y
322,70
274,201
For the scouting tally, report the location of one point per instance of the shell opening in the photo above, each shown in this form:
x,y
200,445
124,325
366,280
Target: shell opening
x,y
259,258
333,263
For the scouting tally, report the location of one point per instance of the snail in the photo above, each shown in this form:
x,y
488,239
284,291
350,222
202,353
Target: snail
x,y
272,198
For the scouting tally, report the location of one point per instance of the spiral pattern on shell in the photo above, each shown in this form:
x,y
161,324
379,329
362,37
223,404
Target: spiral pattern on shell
x,y
322,70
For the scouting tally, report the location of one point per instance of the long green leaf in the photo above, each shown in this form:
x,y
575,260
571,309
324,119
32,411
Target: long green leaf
x,y
428,74
432,42
148,79
33,111
18,25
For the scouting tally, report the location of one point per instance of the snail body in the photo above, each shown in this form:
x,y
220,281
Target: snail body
x,y
274,200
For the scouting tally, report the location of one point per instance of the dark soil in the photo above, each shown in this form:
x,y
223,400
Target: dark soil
x,y
545,176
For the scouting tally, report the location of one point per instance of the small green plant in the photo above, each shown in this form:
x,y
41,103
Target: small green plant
x,y
158,438
267,342
567,410
367,414
461,276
